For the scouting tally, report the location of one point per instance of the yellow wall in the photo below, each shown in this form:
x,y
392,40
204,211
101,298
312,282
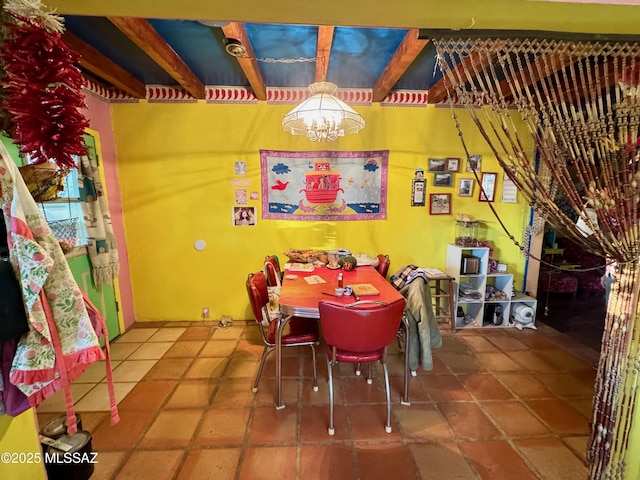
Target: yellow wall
x,y
176,165
18,435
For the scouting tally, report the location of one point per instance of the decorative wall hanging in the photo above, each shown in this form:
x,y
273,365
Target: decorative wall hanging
x,y
240,168
244,216
437,165
418,188
509,190
42,85
324,185
453,164
488,187
442,179
474,163
579,100
101,246
440,204
466,187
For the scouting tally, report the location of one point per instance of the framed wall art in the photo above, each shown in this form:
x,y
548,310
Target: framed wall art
x,y
418,189
324,185
442,179
453,164
244,216
488,190
440,204
465,188
474,163
436,165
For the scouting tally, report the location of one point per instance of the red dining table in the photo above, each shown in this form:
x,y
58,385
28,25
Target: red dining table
x,y
299,298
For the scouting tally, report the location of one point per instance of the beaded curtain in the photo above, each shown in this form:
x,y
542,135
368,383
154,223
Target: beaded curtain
x,y
581,103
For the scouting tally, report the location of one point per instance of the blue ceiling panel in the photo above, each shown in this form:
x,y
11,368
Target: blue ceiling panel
x,y
359,55
286,53
105,37
422,73
202,49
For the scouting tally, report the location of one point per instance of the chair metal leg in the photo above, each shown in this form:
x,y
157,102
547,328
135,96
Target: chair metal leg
x,y
369,377
358,369
405,396
387,427
315,369
263,359
330,370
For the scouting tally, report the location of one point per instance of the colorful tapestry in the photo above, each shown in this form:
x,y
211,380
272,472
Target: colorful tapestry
x,y
324,185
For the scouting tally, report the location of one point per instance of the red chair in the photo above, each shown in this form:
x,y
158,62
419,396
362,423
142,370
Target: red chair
x,y
383,264
359,333
297,332
272,271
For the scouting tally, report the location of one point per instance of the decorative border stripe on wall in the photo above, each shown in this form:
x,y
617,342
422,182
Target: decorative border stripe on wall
x,y
243,95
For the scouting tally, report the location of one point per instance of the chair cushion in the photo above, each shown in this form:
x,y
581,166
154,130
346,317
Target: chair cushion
x,y
355,357
297,330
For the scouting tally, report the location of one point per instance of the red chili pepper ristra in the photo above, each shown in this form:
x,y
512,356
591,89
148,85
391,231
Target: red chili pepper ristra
x,y
43,93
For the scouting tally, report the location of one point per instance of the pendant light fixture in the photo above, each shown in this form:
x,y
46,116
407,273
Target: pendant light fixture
x,y
322,116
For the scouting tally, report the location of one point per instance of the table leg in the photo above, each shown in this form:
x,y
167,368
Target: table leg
x,y
281,324
407,342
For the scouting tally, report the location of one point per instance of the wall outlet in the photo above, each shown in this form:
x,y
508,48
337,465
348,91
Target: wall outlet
x,y
205,312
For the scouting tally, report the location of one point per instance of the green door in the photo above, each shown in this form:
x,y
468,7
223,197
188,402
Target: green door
x,y
104,300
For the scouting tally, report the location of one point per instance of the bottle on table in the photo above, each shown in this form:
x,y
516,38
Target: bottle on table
x,y
340,282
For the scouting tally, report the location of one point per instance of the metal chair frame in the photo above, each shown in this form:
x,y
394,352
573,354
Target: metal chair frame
x,y
260,299
364,308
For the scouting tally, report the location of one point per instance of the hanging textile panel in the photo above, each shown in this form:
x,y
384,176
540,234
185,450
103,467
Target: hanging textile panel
x,y
324,185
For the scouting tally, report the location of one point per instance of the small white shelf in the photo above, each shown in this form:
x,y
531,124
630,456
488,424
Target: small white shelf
x,y
480,312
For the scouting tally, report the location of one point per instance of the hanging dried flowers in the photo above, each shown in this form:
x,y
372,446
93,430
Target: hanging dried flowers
x,y
42,85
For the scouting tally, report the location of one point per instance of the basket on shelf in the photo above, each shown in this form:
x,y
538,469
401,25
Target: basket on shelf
x,y
44,180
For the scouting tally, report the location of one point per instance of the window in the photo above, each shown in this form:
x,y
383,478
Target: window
x,y
65,214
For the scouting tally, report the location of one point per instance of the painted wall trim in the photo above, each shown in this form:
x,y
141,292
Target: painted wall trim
x,y
243,95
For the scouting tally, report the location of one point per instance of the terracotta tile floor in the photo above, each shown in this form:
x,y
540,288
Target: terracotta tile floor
x,y
499,404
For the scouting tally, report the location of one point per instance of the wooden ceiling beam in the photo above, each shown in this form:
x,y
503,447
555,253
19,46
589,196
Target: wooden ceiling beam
x,y
605,75
102,67
402,59
248,62
323,52
145,36
438,91
524,78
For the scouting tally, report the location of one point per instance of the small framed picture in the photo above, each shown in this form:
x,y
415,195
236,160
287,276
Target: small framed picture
x,y
453,164
436,165
442,179
465,189
244,216
240,168
488,190
440,204
474,163
418,189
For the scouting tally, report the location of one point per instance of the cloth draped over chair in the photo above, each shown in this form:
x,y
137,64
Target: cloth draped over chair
x,y
425,333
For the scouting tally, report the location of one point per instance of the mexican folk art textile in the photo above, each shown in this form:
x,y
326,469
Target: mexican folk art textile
x,y
102,241
324,185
